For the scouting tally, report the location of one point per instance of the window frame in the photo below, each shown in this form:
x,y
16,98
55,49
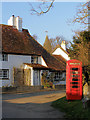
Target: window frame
x,y
34,59
4,57
2,76
58,75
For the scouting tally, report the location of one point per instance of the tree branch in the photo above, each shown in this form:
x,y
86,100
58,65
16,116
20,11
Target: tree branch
x,y
41,11
82,14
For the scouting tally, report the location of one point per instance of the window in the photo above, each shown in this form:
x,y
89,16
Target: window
x,y
34,59
4,57
58,75
4,74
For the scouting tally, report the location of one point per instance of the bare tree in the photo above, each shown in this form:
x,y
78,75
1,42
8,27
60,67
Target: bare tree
x,y
80,17
82,14
51,43
57,41
43,7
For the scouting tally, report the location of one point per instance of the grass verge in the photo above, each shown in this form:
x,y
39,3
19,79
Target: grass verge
x,y
73,109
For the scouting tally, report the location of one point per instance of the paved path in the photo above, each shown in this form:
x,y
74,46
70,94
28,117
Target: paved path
x,y
31,105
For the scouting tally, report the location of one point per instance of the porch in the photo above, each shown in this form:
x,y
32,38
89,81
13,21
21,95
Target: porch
x,y
28,75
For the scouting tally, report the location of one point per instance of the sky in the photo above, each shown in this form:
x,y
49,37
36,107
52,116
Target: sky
x,y
56,21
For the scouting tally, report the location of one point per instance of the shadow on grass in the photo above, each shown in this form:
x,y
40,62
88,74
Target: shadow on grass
x,y
73,109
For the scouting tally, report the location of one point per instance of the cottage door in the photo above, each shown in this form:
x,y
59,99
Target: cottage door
x,y
35,77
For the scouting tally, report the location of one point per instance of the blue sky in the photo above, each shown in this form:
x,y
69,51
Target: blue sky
x,y
55,21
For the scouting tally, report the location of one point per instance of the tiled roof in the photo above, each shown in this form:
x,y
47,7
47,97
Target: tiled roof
x,y
16,42
37,66
61,59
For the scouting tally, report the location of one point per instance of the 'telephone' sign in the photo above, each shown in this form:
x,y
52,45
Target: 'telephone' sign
x,y
74,63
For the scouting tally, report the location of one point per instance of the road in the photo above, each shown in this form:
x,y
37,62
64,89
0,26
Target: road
x,y
31,105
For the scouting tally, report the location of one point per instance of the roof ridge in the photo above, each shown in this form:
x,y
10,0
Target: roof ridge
x,y
58,46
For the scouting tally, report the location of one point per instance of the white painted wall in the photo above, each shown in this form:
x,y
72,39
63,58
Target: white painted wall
x,y
33,77
43,62
28,67
59,51
16,61
13,61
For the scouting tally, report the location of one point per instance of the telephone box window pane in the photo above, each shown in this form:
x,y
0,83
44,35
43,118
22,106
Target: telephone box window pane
x,y
74,68
74,75
74,79
74,86
75,72
74,82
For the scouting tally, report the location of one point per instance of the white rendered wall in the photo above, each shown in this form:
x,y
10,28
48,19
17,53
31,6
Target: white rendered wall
x,y
16,61
33,80
13,61
59,51
43,62
28,67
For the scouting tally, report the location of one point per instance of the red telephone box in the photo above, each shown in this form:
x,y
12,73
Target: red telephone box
x,y
73,80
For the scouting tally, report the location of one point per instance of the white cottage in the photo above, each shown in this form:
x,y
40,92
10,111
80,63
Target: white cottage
x,y
23,59
61,54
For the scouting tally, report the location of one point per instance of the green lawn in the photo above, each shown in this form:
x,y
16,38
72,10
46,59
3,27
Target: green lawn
x,y
73,109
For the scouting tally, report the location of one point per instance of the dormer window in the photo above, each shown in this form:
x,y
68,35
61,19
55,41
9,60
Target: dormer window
x,y
4,57
34,59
